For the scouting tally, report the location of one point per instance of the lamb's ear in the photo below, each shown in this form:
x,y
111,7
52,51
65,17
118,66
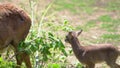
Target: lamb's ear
x,y
79,32
70,32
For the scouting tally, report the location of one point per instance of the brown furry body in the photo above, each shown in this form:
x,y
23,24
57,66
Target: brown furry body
x,y
90,55
14,27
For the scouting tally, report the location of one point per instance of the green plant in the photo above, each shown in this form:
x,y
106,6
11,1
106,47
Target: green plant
x,y
54,65
41,44
6,64
47,44
78,65
66,26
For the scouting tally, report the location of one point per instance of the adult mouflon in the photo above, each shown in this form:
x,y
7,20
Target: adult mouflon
x,y
14,27
90,55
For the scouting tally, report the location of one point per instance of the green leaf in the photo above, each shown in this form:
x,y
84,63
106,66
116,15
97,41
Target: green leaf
x,y
1,59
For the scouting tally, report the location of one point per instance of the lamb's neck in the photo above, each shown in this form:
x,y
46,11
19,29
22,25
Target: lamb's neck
x,y
76,45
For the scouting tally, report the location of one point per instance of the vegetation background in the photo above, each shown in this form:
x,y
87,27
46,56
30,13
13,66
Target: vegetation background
x,y
52,19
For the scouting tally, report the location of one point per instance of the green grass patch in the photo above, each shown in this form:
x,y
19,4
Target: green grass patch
x,y
90,24
108,23
105,18
110,38
113,5
75,6
110,27
64,5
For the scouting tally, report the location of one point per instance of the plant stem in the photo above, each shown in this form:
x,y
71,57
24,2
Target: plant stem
x,y
42,18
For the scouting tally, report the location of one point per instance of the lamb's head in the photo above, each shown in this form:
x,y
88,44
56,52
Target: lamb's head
x,y
71,35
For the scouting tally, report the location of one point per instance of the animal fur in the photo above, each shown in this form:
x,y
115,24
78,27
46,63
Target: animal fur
x,y
14,27
90,55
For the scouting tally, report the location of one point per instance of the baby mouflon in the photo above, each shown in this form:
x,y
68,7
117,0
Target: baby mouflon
x,y
90,55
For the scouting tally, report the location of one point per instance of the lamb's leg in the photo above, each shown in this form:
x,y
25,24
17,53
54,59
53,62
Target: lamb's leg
x,y
112,63
116,65
90,65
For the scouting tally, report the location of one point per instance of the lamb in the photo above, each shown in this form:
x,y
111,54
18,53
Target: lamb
x,y
90,55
